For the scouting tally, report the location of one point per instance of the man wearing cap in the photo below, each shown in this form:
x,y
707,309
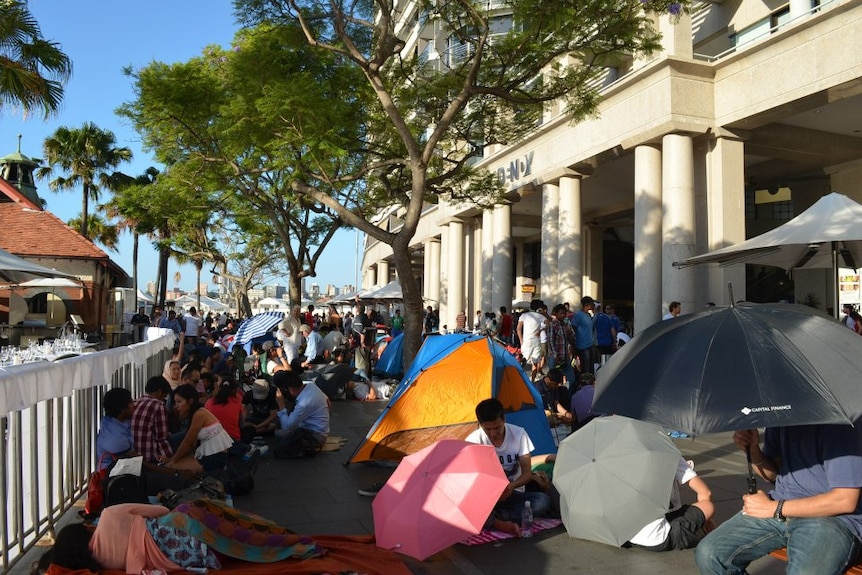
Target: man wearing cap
x,y
260,409
313,346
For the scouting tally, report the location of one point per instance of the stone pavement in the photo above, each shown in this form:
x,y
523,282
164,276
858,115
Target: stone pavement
x,y
319,495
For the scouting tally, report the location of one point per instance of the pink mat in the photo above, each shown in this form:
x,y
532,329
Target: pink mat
x,y
489,535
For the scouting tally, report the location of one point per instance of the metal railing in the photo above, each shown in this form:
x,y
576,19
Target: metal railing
x,y
49,445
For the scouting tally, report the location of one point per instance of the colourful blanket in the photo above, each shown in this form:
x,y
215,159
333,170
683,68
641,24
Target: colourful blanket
x,y
239,534
489,535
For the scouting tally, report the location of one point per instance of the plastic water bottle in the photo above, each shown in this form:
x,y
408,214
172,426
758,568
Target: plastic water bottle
x,y
527,520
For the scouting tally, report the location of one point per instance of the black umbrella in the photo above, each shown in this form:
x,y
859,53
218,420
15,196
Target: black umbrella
x,y
746,366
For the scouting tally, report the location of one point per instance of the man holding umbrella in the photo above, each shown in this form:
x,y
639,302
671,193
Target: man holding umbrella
x,y
814,509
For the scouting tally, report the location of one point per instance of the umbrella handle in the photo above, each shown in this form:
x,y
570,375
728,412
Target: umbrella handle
x,y
752,480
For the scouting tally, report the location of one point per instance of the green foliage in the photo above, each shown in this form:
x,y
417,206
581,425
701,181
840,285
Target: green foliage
x,y
32,69
85,157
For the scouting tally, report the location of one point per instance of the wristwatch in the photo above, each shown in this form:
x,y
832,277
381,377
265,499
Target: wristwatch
x,y
778,514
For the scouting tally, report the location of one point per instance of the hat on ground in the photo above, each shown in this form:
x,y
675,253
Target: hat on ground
x,y
267,345
260,389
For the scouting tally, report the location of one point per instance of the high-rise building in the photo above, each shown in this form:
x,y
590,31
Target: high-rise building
x,y
747,115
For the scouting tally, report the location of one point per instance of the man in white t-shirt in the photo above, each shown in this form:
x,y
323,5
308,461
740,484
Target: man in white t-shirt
x,y
513,447
682,525
193,326
530,327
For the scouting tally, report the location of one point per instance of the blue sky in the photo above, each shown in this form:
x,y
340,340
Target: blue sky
x,y
102,37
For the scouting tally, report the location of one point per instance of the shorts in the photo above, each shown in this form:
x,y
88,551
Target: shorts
x,y
532,352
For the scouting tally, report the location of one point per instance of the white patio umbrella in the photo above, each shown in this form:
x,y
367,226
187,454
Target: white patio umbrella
x,y
391,292
825,234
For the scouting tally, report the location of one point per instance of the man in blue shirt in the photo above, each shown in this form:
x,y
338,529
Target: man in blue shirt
x,y
115,431
171,322
309,415
582,322
814,509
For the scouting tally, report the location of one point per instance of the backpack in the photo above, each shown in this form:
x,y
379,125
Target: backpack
x,y
126,488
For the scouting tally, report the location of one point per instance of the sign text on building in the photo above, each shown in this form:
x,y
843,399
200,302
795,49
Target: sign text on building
x,y
516,169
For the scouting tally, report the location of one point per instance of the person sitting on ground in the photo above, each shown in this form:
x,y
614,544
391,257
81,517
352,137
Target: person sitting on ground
x,y
260,411
582,402
150,431
191,375
681,527
313,346
332,341
173,373
555,398
205,435
310,414
276,358
208,383
115,439
513,447
226,405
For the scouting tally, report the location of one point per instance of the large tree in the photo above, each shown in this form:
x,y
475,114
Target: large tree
x,y
86,157
32,69
243,125
432,114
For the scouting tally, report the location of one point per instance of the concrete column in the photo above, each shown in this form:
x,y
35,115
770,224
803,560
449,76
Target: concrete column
x,y
502,263
799,8
570,259
487,260
383,272
473,268
433,255
678,223
725,220
648,230
593,262
454,273
550,242
676,35
370,277
426,268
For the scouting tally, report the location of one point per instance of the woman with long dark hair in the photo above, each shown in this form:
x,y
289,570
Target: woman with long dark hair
x,y
205,445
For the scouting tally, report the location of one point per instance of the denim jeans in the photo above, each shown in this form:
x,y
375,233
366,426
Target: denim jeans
x,y
511,508
821,545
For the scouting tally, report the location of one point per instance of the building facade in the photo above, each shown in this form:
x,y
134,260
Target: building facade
x,y
750,113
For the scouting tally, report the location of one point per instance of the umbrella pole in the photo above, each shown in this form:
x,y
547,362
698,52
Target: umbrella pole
x,y
752,480
835,287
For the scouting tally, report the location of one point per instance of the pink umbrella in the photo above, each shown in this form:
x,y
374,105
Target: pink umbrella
x,y
437,497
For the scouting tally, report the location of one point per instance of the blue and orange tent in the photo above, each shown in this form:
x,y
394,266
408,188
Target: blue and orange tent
x,y
390,364
437,398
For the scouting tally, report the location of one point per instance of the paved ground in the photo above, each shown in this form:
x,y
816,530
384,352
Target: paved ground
x,y
319,496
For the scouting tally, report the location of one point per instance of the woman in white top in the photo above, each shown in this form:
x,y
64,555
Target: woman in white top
x,y
205,432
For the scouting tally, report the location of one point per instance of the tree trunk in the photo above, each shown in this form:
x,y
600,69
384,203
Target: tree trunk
x,y
412,294
85,206
294,290
164,256
198,266
135,265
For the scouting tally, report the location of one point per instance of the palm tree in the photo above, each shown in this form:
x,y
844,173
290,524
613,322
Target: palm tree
x,y
102,231
84,155
32,70
127,210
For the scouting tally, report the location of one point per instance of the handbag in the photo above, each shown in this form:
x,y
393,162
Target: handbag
x,y
206,488
96,489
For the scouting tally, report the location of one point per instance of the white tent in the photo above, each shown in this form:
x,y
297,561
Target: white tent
x,y
391,292
822,237
15,269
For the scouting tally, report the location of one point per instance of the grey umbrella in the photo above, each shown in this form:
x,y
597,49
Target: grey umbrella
x,y
741,367
614,476
15,269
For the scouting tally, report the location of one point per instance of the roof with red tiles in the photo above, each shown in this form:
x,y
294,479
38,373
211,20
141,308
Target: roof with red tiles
x,y
35,233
